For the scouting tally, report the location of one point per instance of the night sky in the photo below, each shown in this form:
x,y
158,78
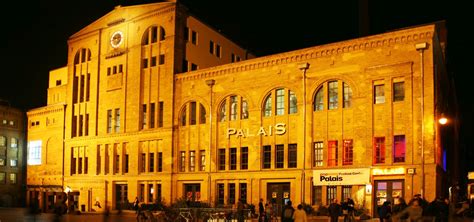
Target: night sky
x,y
34,39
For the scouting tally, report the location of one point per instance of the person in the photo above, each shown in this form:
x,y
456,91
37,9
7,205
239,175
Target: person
x,y
334,210
398,207
261,210
287,212
135,205
350,210
268,212
300,215
240,211
385,211
414,212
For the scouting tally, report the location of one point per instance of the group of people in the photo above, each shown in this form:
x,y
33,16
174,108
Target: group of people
x,y
346,208
415,210
268,212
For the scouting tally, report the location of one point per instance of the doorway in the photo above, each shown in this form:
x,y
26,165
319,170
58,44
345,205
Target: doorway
x,y
192,192
121,195
387,190
278,194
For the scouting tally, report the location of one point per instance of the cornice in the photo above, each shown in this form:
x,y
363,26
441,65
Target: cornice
x,y
404,36
156,12
146,134
46,110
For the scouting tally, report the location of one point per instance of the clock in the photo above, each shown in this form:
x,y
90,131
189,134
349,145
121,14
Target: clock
x,y
116,39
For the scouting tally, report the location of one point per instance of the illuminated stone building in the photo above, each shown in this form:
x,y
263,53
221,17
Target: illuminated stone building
x,y
12,161
155,104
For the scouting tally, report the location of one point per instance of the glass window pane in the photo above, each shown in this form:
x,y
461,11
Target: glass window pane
x,y
233,107
268,106
398,91
293,103
379,94
347,95
280,102
332,95
222,111
319,100
245,109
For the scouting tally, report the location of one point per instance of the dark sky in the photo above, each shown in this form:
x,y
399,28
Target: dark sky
x,y
34,39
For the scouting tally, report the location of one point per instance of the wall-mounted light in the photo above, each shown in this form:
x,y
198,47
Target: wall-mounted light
x,y
443,120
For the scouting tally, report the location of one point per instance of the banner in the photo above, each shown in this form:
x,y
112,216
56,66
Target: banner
x,y
360,176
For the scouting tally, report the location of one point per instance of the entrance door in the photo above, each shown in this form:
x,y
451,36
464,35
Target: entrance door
x,y
387,190
278,194
192,192
121,195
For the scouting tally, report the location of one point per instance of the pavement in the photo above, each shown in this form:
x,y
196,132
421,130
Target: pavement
x,y
22,215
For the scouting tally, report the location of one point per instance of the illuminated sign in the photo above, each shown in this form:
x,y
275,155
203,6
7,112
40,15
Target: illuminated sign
x,y
388,171
278,129
341,177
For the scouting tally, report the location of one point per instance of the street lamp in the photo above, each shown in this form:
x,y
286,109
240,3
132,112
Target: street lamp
x,y
210,83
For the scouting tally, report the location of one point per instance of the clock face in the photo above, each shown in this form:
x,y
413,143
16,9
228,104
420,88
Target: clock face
x,y
116,39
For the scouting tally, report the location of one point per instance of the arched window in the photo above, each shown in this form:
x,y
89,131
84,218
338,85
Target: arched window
x,y
151,35
319,100
191,115
233,104
162,33
333,95
285,103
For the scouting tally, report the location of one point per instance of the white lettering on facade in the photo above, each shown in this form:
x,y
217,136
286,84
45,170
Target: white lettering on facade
x,y
278,129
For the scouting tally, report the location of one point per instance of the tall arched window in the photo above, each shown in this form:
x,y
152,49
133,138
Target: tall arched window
x,y
233,105
333,95
285,103
191,115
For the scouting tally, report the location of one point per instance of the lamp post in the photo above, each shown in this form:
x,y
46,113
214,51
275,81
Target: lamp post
x,y
420,47
210,83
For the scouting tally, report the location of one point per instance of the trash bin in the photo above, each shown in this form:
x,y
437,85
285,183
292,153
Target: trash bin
x,y
83,207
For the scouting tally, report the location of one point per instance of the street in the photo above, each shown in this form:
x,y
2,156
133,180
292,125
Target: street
x,y
21,215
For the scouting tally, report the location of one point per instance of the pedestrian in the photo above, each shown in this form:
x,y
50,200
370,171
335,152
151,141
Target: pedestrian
x,y
398,206
261,209
350,210
240,211
334,210
414,212
299,215
385,211
287,211
135,205
268,212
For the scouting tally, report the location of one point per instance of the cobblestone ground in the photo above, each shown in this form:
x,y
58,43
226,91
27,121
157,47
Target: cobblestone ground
x,y
21,215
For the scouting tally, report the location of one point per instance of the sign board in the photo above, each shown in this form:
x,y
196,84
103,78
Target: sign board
x,y
356,176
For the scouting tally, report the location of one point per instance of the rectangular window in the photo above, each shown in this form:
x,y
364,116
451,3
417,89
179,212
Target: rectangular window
x,y
220,193
218,50
192,161
145,63
151,162
34,152
211,47
108,71
194,37
332,153
202,162
293,103
231,193
150,193
120,68
81,124
161,59
88,86
160,114
153,61
158,192
74,126
152,115
232,57
182,164
292,155
221,159
279,156
12,178
280,102
144,114
347,152
346,192
106,161
347,95
81,92
194,67
99,160
73,165
114,70
192,115
74,89
109,121
126,163
398,91
117,120
332,95
267,157
233,107
244,158
117,164
86,127
399,149
79,165
379,94
243,192
317,195
379,150
141,193
143,163
233,158
318,154
86,165
331,193
13,163
160,161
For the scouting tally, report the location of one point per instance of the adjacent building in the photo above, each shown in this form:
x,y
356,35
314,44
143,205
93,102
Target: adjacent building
x,y
155,104
12,161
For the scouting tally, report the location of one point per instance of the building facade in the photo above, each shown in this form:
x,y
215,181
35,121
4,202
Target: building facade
x,y
155,104
12,157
